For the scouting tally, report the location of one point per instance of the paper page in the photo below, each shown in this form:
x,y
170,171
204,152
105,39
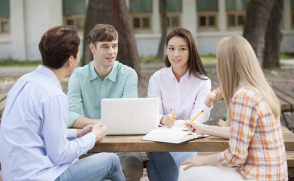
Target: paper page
x,y
164,134
178,125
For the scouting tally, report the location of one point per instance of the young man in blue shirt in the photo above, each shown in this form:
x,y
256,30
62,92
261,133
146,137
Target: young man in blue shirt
x,y
35,142
104,77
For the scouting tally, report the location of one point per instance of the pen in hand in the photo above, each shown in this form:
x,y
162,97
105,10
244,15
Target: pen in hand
x,y
196,117
171,110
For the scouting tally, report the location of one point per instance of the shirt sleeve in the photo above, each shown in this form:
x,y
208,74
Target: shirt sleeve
x,y
243,124
59,149
199,104
74,98
71,134
131,86
155,92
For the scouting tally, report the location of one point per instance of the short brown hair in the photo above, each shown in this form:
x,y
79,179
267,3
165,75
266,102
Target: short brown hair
x,y
102,32
58,44
195,65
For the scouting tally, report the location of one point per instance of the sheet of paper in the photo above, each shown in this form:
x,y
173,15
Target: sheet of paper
x,y
178,125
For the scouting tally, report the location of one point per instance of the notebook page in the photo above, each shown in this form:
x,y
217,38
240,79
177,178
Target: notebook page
x,y
166,135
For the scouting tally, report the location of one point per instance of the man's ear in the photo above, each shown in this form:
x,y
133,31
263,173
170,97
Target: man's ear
x,y
70,61
92,47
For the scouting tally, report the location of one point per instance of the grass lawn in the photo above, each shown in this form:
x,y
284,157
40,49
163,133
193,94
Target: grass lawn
x,y
9,62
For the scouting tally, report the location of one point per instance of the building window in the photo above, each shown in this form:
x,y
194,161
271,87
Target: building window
x,y
207,11
141,12
74,13
4,17
292,12
236,11
174,11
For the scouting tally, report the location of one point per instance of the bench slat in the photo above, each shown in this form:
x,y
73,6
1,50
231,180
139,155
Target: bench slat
x,y
284,97
2,96
2,106
285,91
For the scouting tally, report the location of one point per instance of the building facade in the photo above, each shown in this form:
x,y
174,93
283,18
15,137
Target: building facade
x,y
22,23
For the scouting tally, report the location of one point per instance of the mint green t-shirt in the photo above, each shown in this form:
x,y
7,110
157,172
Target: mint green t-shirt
x,y
86,90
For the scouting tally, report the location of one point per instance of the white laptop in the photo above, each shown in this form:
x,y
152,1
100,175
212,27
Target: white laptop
x,y
129,116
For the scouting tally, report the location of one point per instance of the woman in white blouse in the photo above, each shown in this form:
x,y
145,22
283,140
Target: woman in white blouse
x,y
183,86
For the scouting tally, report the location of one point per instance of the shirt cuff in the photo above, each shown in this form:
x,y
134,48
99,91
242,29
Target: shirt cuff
x,y
221,159
160,117
71,134
72,117
90,139
94,135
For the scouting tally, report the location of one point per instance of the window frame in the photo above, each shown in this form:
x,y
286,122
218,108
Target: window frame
x,y
236,14
207,14
6,19
141,16
292,18
170,16
74,18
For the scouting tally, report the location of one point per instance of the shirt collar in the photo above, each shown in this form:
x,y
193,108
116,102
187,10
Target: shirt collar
x,y
44,70
172,75
111,76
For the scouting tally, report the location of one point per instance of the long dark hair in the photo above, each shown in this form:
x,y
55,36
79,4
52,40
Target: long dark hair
x,y
195,65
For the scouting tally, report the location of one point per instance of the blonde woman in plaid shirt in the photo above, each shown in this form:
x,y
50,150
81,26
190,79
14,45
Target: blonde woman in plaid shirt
x,y
256,147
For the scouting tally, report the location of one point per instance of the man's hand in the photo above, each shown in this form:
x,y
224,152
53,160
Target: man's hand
x,y
168,120
99,130
84,131
194,161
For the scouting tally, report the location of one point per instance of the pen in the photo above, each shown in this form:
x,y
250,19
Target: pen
x,y
171,110
196,116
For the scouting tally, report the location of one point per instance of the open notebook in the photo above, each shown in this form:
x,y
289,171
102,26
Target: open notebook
x,y
177,134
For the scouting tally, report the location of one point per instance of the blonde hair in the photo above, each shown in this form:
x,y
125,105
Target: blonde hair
x,y
237,63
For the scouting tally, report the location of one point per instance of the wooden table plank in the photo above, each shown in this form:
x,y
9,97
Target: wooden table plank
x,y
209,144
285,106
2,96
284,97
285,91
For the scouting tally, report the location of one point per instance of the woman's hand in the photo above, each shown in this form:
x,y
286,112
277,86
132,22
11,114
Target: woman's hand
x,y
168,120
84,131
213,95
195,127
194,161
216,94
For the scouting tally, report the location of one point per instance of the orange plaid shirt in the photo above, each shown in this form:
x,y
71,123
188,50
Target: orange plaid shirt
x,y
256,144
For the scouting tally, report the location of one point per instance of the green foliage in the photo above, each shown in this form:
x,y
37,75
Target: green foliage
x,y
152,59
149,59
286,56
9,62
208,58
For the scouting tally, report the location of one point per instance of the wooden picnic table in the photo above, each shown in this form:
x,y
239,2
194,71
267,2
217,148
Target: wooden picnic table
x,y
286,98
204,146
134,143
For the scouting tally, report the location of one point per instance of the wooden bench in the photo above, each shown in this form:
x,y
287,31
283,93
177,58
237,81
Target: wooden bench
x,y
2,103
286,98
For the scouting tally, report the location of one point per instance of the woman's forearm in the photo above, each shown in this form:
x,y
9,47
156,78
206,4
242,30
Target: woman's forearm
x,y
211,160
223,132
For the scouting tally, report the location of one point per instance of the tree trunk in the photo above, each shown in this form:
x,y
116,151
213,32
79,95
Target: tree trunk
x,y
273,36
116,13
255,26
163,9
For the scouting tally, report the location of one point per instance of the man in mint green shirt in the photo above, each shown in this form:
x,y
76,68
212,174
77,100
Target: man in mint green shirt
x,y
104,77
